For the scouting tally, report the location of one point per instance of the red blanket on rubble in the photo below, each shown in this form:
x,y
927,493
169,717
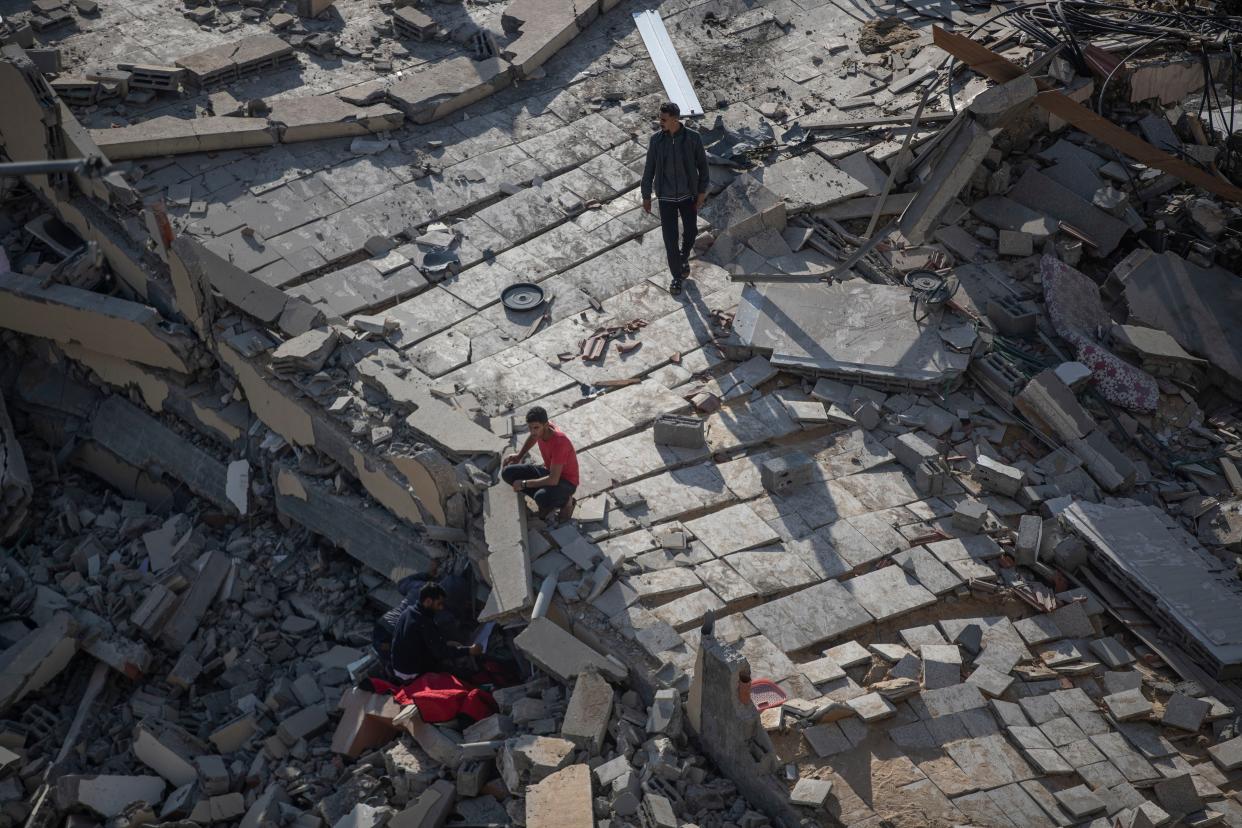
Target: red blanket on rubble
x,y
440,697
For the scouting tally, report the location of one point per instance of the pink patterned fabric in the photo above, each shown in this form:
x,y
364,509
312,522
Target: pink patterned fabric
x,y
1078,316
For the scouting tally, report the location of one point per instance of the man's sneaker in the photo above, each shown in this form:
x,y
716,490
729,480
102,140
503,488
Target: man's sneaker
x,y
685,268
675,287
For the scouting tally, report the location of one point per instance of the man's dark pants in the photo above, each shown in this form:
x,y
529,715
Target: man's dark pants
x,y
547,498
670,211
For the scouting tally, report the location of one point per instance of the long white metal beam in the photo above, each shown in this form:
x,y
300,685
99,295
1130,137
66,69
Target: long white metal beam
x,y
668,65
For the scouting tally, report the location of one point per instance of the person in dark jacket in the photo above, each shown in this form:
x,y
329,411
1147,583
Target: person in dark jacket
x,y
419,645
677,171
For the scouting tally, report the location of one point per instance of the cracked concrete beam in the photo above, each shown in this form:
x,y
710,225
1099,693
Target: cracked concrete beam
x,y
447,86
67,410
318,117
197,271
291,121
439,423
228,61
15,486
106,324
508,561
93,224
283,409
167,135
143,441
162,392
370,535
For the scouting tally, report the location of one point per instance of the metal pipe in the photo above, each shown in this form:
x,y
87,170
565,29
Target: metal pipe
x,y
544,599
48,167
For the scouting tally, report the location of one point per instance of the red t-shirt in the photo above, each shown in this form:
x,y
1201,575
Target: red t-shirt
x,y
557,450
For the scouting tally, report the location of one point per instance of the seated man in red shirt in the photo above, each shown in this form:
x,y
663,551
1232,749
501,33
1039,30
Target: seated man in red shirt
x,y
553,484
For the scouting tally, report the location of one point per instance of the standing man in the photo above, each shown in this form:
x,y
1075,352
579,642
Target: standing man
x,y
554,483
677,168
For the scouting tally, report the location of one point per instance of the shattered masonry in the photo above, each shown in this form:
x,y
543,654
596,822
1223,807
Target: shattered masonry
x,y
921,506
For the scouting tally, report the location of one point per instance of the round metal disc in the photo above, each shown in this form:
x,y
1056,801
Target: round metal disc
x,y
522,297
924,280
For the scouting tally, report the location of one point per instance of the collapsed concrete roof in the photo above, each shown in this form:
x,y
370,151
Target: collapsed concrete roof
x,y
905,524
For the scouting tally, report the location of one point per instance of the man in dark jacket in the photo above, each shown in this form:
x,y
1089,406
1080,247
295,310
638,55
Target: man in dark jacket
x,y
419,645
677,170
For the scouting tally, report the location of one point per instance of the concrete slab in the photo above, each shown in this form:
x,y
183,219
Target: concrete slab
x,y
725,582
1038,629
766,659
732,529
1185,713
955,699
827,739
772,569
849,654
809,181
888,592
851,329
931,573
990,682
560,654
1128,704
820,613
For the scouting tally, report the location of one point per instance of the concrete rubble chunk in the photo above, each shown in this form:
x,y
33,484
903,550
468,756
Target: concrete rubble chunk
x,y
745,208
163,758
590,707
998,477
956,163
306,352
1050,404
366,721
1185,713
36,658
559,653
563,800
999,105
812,793
194,603
508,563
108,795
534,758
431,810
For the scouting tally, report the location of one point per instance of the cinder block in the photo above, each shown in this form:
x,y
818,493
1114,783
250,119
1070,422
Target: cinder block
x,y
932,476
969,515
1012,317
676,430
780,474
997,476
913,449
1030,533
1015,243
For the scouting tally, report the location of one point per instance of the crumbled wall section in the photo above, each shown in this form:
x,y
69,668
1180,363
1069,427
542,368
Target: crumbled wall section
x,y
102,323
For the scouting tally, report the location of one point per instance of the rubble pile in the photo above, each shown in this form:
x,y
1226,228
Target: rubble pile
x,y
920,505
